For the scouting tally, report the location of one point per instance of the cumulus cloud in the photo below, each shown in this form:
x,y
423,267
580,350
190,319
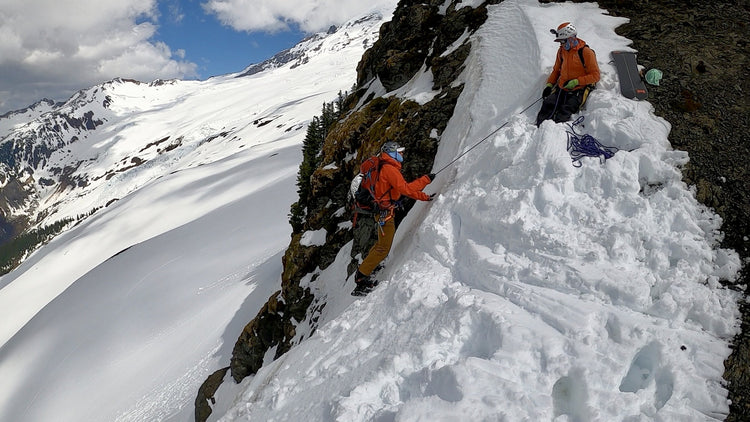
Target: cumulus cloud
x,y
52,48
280,15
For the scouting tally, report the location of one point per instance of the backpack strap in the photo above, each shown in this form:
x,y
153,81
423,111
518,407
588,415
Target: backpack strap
x,y
382,164
580,55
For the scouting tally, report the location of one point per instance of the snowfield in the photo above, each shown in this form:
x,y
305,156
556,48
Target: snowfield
x,y
529,290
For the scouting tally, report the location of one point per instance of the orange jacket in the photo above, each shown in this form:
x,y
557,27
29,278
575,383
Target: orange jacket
x,y
391,184
568,66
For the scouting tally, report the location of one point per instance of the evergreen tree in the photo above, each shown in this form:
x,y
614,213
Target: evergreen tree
x,y
340,101
13,252
312,146
310,151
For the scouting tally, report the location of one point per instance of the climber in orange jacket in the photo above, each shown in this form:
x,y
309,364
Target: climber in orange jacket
x,y
389,188
575,74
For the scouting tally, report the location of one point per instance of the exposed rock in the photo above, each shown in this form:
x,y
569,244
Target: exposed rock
x,y
402,47
206,394
261,334
416,36
447,68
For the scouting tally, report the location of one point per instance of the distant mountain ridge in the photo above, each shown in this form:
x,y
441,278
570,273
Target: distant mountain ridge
x,y
14,117
300,53
92,148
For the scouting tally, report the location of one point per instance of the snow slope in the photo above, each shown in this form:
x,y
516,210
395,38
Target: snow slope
x,y
124,316
528,290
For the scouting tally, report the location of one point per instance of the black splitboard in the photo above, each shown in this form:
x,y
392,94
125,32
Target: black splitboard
x,y
631,84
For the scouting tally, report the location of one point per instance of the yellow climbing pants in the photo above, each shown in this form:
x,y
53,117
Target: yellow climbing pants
x,y
380,249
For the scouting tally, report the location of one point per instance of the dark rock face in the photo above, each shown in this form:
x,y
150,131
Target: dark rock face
x,y
270,328
401,49
417,36
206,394
703,51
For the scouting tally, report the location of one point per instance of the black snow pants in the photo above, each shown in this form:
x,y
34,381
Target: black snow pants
x,y
562,104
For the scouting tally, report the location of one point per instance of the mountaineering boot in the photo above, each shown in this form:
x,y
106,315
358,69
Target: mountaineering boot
x,y
365,284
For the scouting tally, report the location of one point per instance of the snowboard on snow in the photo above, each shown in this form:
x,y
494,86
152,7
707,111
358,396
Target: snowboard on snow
x,y
631,84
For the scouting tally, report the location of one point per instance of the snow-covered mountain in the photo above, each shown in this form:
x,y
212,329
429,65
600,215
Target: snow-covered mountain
x,y
154,158
528,290
111,139
11,119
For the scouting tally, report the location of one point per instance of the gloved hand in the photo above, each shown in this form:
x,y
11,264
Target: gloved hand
x,y
571,84
431,176
432,196
547,90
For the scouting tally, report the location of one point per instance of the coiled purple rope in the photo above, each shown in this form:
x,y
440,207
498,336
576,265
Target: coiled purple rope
x,y
585,145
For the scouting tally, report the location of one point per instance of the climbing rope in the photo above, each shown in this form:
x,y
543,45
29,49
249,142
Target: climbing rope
x,y
484,139
585,145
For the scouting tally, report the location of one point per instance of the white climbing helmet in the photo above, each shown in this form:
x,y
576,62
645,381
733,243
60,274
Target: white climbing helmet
x,y
564,31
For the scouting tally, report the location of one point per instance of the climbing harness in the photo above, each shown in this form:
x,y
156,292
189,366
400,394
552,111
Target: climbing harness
x,y
484,139
585,145
386,214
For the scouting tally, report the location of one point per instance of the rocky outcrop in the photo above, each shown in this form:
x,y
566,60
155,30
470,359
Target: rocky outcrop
x,y
206,394
703,52
418,37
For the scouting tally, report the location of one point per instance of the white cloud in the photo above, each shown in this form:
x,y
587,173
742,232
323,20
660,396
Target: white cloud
x,y
175,13
279,15
52,48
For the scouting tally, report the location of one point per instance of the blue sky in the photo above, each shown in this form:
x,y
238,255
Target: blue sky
x,y
216,48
